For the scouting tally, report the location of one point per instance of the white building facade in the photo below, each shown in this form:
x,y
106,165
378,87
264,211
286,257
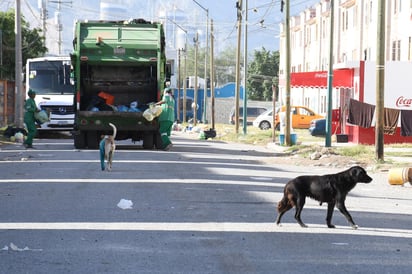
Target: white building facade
x,y
355,40
355,43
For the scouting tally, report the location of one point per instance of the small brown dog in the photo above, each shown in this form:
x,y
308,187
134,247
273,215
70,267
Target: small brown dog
x,y
107,148
331,189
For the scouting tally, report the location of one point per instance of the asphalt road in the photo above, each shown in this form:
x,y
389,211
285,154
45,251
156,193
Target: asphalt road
x,y
203,207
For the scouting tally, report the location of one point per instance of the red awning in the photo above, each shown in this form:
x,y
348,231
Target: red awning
x,y
342,78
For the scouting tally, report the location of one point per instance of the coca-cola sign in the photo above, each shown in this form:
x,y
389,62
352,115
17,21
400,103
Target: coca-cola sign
x,y
403,102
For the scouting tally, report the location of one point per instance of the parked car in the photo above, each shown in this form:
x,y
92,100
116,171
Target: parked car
x,y
252,113
318,127
301,118
264,120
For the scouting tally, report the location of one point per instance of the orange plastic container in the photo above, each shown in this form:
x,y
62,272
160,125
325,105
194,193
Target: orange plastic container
x,y
107,97
399,176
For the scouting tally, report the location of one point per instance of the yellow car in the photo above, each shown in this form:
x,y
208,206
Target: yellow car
x,y
301,116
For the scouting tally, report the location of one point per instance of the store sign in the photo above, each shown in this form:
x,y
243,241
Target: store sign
x,y
342,78
403,102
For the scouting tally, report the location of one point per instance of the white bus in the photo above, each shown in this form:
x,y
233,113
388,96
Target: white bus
x,y
50,78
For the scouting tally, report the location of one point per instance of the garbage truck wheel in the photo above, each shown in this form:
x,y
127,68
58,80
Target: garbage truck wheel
x,y
92,141
79,140
157,140
148,140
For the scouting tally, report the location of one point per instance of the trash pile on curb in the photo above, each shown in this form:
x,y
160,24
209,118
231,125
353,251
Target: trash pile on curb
x,y
203,132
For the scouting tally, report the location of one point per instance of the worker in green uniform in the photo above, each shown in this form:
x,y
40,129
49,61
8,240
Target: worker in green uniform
x,y
166,118
30,109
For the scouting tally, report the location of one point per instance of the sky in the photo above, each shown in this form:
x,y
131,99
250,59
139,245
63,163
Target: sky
x,y
181,16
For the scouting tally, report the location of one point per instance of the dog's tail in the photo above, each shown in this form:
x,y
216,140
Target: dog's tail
x,y
283,204
114,130
287,201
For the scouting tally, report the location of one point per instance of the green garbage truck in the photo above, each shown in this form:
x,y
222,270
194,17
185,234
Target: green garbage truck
x,y
119,68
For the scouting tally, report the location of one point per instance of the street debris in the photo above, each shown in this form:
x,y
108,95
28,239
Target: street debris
x,y
125,204
14,247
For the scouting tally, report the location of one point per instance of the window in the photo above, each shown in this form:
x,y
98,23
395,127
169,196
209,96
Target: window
x,y
346,20
410,47
306,103
355,16
323,103
308,36
370,11
366,54
354,54
324,28
397,6
396,50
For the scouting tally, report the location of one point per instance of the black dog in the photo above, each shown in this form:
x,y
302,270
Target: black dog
x,y
331,189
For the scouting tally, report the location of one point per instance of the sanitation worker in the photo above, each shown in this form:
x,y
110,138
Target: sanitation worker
x,y
30,108
166,118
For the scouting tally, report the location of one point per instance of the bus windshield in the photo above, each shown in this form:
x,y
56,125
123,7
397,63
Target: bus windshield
x,y
50,77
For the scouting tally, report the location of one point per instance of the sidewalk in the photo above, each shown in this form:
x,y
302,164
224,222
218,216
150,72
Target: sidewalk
x,y
283,156
404,157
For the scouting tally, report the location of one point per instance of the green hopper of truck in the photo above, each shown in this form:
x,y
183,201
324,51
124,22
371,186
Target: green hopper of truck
x,y
119,68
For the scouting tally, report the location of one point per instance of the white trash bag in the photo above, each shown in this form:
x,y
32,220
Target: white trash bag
x,y
41,116
152,112
125,204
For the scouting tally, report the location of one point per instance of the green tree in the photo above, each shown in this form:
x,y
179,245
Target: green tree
x,y
190,61
262,75
32,43
225,63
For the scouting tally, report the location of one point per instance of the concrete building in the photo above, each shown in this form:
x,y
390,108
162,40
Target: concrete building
x,y
354,52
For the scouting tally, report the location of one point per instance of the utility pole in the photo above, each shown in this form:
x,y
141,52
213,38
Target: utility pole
x,y
178,84
212,74
194,104
245,72
273,113
184,87
380,81
1,54
43,15
18,95
330,79
57,19
287,72
59,26
206,52
237,90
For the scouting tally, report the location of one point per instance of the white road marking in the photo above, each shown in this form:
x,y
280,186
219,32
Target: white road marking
x,y
209,227
128,181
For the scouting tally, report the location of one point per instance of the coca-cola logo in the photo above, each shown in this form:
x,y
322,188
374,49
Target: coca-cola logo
x,y
403,102
321,75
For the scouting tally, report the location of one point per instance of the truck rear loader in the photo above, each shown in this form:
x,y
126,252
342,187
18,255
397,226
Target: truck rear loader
x,y
119,68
